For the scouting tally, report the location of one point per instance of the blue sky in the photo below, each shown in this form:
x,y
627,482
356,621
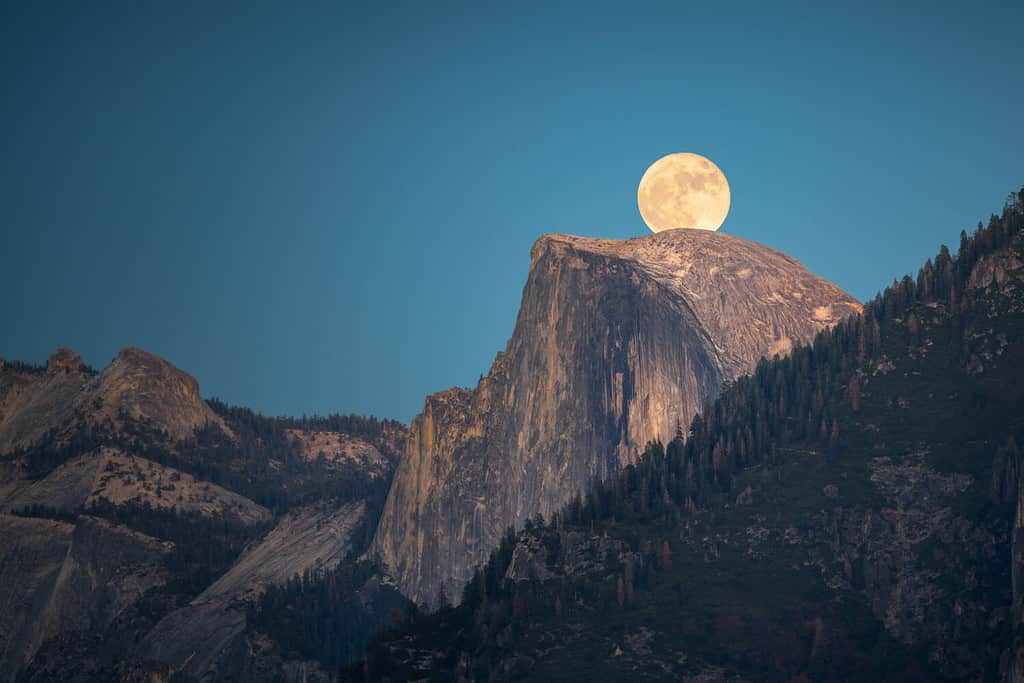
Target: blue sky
x,y
330,207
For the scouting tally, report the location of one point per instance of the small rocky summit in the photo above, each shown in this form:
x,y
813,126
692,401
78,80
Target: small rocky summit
x,y
617,343
147,388
67,396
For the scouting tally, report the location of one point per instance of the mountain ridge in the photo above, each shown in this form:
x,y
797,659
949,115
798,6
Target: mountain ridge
x,y
102,468
67,398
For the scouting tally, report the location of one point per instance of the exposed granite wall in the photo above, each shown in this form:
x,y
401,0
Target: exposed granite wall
x,y
617,343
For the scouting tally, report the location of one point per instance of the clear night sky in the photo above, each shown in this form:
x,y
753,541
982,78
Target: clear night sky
x,y
332,209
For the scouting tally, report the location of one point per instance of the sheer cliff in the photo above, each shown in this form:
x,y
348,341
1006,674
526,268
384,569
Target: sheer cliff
x,y
617,343
851,512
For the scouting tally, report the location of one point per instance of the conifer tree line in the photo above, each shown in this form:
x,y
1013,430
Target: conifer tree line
x,y
368,428
38,368
786,401
261,461
318,614
794,399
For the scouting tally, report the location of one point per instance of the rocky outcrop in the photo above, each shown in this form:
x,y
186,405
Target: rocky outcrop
x,y
33,403
66,488
148,389
56,579
890,554
207,639
108,567
109,475
995,269
575,555
137,387
32,552
338,448
617,343
313,537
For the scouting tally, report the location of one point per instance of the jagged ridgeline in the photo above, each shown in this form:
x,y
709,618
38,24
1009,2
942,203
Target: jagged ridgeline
x,y
846,512
140,525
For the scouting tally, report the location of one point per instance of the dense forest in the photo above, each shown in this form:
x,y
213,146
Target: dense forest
x,y
770,449
319,615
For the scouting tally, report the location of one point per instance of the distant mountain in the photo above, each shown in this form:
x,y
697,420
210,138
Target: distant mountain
x,y
617,344
851,512
67,397
140,524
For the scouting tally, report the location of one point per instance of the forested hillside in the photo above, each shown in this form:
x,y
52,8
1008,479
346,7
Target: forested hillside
x,y
843,513
118,526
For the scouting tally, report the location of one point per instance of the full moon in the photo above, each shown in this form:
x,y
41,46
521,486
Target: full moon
x,y
683,191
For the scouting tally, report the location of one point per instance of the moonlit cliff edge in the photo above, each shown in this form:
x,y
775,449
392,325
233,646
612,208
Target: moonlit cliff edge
x,y
617,343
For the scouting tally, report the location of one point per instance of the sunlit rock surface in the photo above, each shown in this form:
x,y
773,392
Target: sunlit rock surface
x,y
617,343
335,448
67,397
108,475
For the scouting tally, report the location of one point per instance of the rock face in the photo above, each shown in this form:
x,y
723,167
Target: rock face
x,y
207,638
336,448
309,538
31,403
109,475
617,344
108,567
148,389
56,579
31,556
90,599
137,385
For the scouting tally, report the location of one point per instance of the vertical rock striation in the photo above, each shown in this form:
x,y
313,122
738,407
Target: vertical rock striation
x,y
617,343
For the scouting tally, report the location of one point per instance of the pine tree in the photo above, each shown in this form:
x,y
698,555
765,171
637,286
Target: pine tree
x,y
629,581
518,606
853,388
914,328
442,599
